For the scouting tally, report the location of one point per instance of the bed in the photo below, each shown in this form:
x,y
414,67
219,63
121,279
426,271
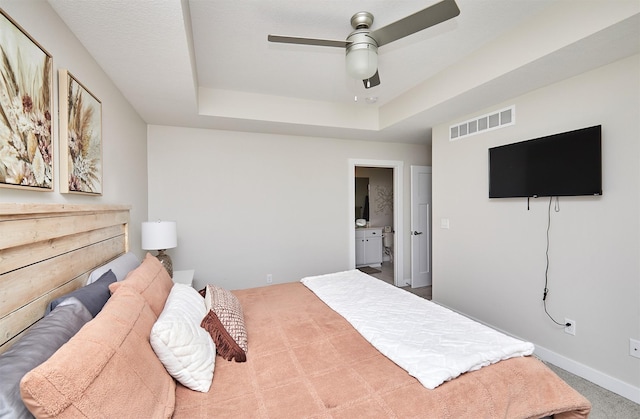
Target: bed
x,y
303,359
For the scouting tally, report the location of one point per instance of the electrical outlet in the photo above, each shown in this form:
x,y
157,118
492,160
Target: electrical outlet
x,y
634,348
269,278
570,329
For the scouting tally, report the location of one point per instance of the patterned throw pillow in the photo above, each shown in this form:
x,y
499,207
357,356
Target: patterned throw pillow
x,y
225,323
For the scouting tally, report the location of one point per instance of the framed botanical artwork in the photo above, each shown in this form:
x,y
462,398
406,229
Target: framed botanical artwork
x,y
80,137
26,77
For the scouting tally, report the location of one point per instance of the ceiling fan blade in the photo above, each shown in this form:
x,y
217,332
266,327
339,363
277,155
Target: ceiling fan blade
x,y
308,41
372,81
416,22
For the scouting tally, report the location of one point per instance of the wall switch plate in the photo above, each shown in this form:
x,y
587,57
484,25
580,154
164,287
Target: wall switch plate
x,y
634,348
444,223
570,329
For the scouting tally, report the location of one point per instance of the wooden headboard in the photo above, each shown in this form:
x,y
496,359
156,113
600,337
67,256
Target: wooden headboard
x,y
47,250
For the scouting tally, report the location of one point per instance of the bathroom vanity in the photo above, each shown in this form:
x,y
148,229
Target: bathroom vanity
x,y
369,246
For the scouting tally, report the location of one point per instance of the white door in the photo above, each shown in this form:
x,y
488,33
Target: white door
x,y
420,226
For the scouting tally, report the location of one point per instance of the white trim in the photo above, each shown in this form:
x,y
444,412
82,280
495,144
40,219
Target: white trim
x,y
605,381
398,211
612,384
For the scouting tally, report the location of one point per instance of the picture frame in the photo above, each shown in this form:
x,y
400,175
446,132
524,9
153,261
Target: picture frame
x,y
80,137
26,108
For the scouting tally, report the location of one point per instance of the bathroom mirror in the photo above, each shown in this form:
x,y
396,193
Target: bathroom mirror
x,y
362,198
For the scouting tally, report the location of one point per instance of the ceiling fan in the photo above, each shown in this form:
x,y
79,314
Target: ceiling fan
x,y
362,44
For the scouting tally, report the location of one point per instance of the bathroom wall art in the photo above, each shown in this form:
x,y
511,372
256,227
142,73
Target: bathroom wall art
x,y
80,137
26,76
384,200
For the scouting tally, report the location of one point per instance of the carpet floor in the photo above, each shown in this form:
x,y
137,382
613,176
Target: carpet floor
x,y
604,403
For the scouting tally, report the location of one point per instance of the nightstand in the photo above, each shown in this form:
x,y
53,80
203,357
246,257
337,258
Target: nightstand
x,y
184,277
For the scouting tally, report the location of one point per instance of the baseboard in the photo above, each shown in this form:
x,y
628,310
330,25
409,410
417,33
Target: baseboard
x,y
605,381
612,384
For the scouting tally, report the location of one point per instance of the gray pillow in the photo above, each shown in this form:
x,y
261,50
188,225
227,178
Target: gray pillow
x,y
120,266
35,347
93,296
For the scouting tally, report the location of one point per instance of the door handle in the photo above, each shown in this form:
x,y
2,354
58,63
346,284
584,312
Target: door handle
x,y
416,233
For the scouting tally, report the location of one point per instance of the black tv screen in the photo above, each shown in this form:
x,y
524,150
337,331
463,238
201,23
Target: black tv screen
x,y
566,164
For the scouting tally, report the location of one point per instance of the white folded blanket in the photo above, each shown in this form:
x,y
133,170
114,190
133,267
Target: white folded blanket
x,y
432,343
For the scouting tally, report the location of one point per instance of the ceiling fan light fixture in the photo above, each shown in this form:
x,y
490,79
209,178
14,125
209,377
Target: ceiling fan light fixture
x,y
362,44
362,56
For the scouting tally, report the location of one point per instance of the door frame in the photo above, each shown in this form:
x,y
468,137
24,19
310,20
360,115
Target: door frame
x,y
398,212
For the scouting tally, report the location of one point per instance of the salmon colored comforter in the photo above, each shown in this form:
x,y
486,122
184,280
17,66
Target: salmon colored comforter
x,y
306,361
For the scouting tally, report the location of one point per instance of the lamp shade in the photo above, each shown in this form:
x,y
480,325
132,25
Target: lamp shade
x,y
159,235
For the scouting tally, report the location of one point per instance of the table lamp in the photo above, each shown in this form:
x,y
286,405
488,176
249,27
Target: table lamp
x,y
160,236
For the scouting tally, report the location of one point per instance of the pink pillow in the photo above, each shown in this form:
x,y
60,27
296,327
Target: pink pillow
x,y
151,280
108,369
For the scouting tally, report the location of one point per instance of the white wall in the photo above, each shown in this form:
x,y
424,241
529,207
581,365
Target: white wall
x,y
248,205
123,132
490,264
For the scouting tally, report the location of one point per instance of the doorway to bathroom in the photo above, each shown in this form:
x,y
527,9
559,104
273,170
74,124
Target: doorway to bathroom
x,y
374,221
375,202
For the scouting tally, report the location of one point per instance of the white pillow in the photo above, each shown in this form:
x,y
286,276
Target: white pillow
x,y
185,349
120,266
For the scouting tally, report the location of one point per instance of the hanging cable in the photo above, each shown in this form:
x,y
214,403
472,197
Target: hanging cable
x,y
546,271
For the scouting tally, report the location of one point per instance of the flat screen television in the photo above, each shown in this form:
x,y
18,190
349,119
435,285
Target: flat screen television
x,y
566,164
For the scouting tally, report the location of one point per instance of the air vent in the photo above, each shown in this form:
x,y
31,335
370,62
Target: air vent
x,y
488,122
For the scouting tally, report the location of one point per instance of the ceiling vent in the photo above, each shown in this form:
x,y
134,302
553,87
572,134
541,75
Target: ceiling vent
x,y
488,122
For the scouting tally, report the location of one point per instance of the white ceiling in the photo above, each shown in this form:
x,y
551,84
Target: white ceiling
x,y
207,63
